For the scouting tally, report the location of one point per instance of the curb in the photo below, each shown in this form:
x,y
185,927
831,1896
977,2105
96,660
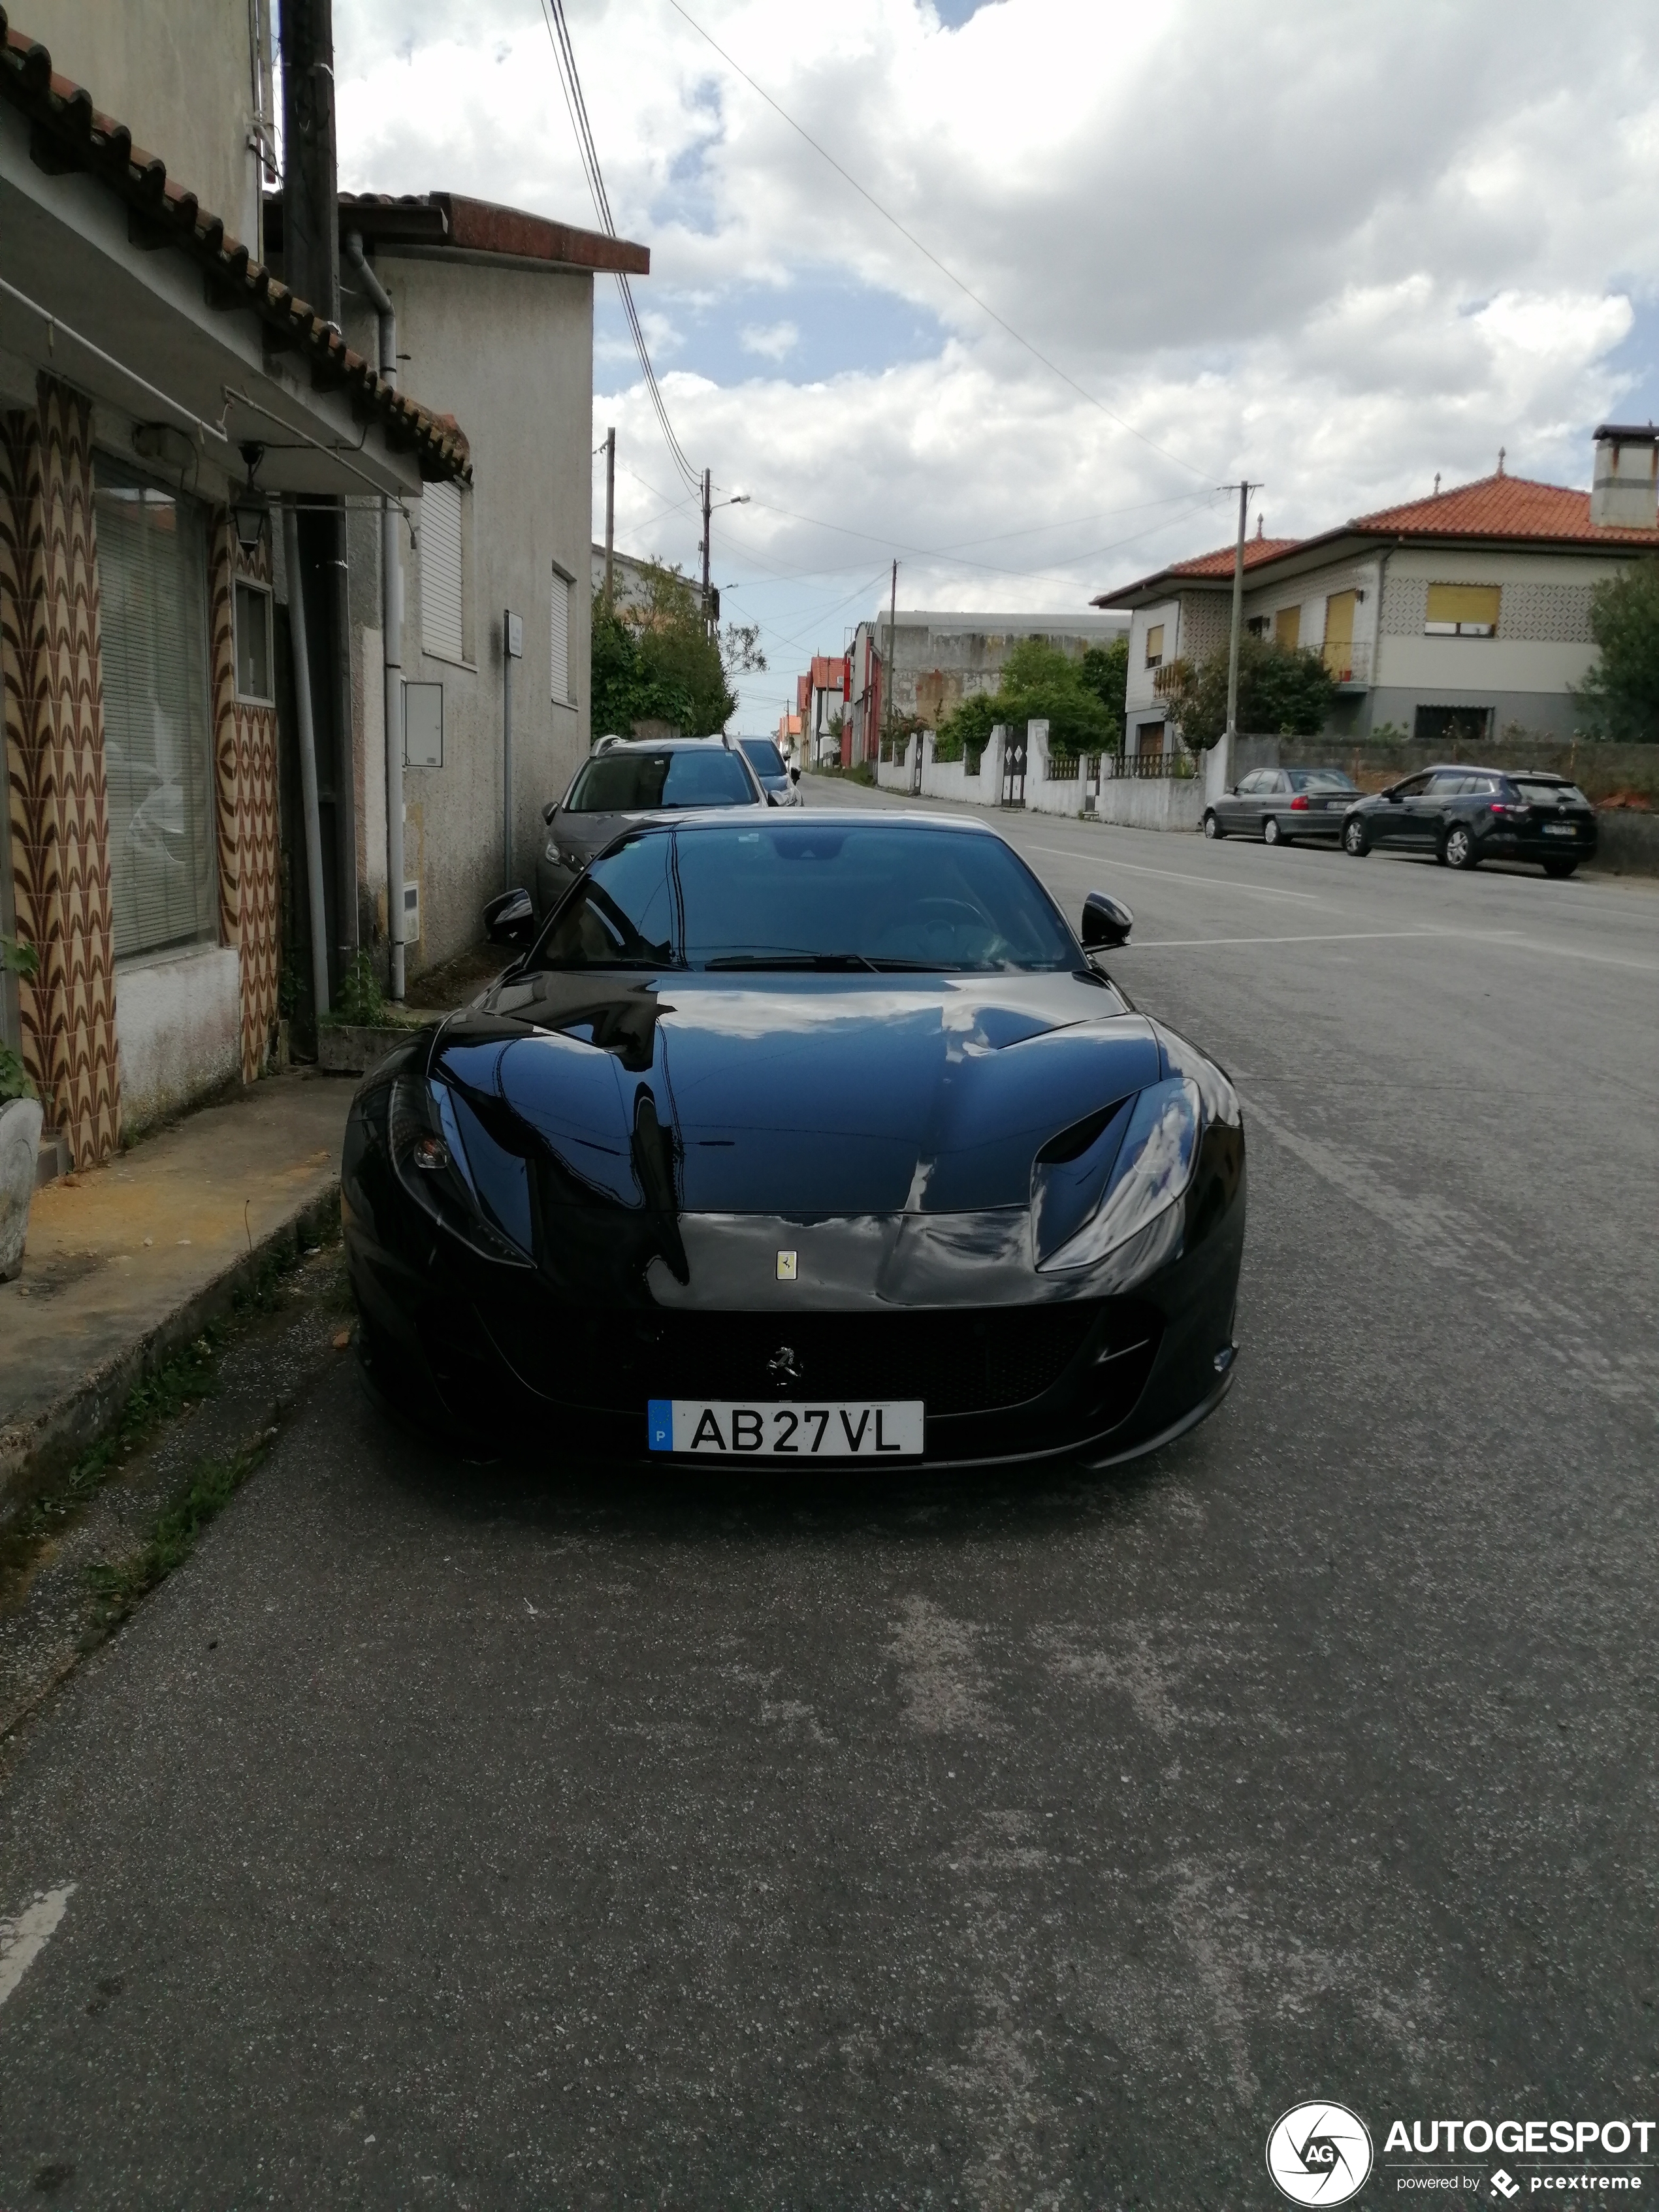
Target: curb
x,y
57,1438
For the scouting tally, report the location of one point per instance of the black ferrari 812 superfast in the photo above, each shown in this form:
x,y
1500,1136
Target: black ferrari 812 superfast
x,y
821,1137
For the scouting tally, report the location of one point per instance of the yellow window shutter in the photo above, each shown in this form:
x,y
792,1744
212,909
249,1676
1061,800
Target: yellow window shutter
x,y
1287,627
1338,619
1154,645
1471,608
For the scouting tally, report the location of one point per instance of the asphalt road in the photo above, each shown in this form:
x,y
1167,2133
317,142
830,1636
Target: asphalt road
x,y
500,1836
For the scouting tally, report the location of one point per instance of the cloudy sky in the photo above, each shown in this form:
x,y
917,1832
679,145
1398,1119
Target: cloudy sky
x,y
1333,248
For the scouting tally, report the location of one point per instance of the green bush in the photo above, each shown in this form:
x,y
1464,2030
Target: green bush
x,y
22,960
1284,690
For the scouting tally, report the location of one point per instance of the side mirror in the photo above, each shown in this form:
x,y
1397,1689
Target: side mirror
x,y
550,810
1105,921
794,775
1391,794
510,920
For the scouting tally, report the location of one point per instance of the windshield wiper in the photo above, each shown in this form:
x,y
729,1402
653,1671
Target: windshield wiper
x,y
786,962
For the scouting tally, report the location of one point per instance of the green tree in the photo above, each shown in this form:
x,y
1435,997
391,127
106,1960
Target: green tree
x,y
1620,695
1039,682
1283,691
653,660
1106,671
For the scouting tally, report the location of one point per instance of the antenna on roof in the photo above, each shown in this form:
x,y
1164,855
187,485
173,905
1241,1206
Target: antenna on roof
x,y
1260,525
1501,450
1436,483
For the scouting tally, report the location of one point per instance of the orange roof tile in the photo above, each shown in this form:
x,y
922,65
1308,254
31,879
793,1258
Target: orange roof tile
x,y
1220,563
71,133
1500,507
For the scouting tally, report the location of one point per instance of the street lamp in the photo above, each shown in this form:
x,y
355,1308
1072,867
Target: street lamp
x,y
710,614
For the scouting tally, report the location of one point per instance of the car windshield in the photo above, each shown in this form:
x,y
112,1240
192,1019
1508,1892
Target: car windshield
x,y
831,896
637,783
763,758
1319,779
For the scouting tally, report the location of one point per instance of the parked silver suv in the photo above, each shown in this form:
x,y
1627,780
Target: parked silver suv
x,y
629,780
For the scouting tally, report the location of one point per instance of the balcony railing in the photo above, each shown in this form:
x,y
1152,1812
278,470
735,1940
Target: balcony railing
x,y
1350,663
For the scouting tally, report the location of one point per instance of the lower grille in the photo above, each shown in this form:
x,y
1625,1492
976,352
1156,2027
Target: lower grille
x,y
978,1360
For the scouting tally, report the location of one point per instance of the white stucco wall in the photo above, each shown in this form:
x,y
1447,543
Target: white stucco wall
x,y
508,350
180,77
178,1024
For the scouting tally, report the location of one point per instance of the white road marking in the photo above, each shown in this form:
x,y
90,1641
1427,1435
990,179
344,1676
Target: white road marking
x,y
1501,940
1333,936
1210,883
23,1939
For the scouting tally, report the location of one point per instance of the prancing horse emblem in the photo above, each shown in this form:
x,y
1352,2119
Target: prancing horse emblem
x,y
785,1366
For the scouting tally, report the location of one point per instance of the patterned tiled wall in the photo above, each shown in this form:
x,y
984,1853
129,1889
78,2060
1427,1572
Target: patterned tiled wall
x,y
54,754
244,782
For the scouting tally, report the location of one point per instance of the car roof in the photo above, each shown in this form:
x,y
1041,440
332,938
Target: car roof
x,y
662,745
1489,768
711,818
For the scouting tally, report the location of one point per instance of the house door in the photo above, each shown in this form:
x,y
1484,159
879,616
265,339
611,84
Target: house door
x,y
1013,769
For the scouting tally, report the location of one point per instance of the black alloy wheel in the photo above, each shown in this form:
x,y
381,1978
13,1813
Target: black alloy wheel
x,y
1212,829
1271,832
1356,839
1457,846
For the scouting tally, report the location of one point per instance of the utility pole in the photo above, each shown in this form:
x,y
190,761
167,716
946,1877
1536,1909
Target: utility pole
x,y
706,603
892,628
1244,491
611,516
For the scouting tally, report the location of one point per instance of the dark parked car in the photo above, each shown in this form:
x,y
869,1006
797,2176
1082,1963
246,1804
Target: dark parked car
x,y
781,784
1279,804
626,780
810,1137
1463,815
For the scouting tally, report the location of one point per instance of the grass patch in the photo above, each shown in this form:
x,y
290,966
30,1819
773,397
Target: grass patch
x,y
184,1380
117,1588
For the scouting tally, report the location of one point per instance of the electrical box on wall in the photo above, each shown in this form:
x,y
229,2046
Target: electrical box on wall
x,y
423,726
411,914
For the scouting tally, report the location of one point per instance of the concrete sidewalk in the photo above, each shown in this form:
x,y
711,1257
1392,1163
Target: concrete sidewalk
x,y
125,1263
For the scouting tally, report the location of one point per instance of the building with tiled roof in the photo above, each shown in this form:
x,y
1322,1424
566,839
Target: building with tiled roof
x,y
1452,618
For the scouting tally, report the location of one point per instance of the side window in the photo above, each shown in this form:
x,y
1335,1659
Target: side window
x,y
1446,786
1250,784
1155,645
444,550
1414,788
622,917
562,693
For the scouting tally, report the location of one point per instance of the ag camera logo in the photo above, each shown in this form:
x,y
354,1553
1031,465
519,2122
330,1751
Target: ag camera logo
x,y
1319,2153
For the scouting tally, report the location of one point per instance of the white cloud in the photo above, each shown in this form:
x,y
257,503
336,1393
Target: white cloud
x,y
773,341
1336,249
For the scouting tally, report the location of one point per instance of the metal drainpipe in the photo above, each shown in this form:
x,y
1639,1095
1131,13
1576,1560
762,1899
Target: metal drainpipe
x,y
391,631
296,623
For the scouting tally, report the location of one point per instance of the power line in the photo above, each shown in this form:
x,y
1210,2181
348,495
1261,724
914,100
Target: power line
x,y
927,252
570,84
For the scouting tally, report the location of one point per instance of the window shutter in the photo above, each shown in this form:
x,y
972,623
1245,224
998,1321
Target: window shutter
x,y
441,631
559,628
1287,627
1469,608
158,754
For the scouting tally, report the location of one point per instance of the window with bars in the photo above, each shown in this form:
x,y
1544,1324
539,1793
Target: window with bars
x,y
443,572
562,690
158,745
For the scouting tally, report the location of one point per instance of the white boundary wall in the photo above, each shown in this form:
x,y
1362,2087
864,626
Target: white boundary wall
x,y
1169,802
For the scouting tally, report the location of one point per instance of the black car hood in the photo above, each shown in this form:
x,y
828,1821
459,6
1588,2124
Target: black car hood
x,y
799,1096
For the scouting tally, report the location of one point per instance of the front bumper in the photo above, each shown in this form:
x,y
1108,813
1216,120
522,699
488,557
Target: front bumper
x,y
1012,1367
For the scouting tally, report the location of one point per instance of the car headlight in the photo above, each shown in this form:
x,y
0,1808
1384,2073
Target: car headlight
x,y
1153,1167
430,1162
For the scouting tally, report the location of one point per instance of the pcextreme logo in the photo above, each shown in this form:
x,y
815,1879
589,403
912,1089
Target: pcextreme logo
x,y
1319,2153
